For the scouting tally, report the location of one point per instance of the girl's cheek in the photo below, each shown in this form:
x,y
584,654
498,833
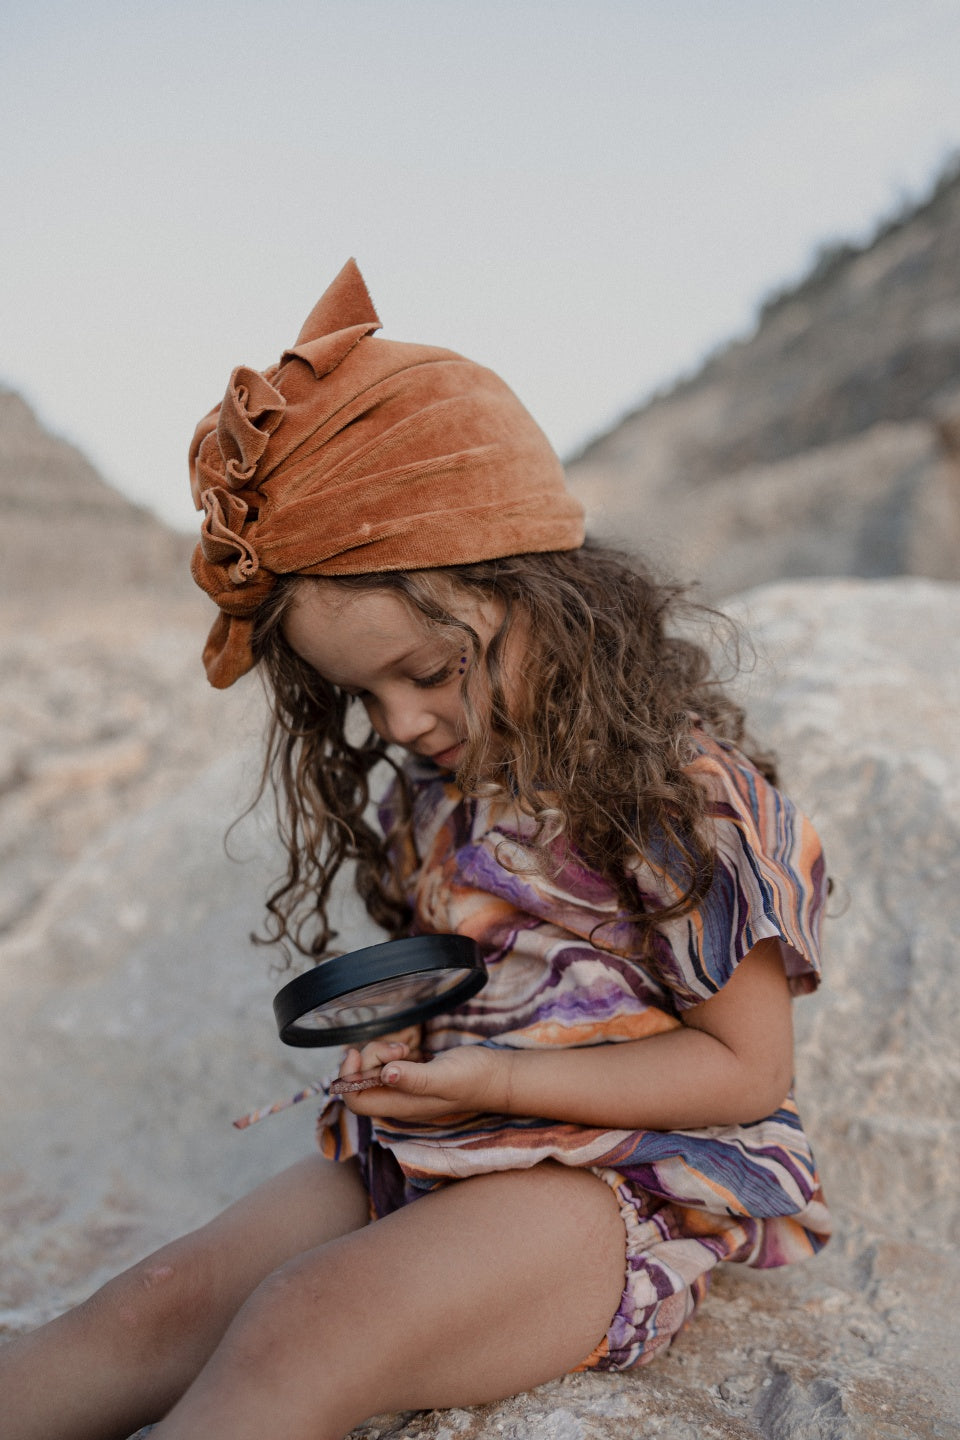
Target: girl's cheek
x,y
377,723
374,715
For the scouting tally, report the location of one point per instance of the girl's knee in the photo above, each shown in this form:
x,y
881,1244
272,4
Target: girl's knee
x,y
160,1301
307,1286
314,1294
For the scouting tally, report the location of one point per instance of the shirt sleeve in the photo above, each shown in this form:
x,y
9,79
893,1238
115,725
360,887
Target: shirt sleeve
x,y
769,882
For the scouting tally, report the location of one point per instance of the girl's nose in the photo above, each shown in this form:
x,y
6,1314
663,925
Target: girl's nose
x,y
404,721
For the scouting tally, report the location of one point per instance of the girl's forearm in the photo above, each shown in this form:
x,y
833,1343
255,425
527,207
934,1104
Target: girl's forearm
x,y
683,1079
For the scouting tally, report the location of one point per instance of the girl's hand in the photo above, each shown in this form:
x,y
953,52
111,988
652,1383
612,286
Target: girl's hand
x,y
467,1078
360,1069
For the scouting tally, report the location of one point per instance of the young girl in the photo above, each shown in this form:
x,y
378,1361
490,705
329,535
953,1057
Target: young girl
x,y
545,1177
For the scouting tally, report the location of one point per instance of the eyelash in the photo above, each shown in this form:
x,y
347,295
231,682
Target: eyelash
x,y
427,682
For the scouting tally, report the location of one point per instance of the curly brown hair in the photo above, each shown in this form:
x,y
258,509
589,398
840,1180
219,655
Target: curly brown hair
x,y
596,750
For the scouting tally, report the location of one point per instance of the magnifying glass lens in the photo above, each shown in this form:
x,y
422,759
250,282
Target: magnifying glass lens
x,y
354,998
383,999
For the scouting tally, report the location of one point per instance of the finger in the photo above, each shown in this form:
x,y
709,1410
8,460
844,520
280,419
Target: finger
x,y
350,1064
411,1036
408,1077
403,1079
379,1051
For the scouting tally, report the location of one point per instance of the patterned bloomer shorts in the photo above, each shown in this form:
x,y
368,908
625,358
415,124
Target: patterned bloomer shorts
x,y
670,1255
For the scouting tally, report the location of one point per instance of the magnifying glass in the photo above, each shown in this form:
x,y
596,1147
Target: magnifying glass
x,y
354,998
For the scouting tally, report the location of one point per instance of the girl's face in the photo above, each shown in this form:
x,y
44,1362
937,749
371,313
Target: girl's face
x,y
407,674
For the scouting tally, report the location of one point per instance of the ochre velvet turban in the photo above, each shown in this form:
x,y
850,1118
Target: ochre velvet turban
x,y
356,455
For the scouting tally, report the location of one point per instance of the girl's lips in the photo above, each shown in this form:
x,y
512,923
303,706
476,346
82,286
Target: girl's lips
x,y
447,759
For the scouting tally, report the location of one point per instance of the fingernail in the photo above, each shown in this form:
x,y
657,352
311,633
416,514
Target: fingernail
x,y
390,1077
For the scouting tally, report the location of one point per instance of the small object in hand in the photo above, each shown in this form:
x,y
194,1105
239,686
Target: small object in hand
x,y
350,1084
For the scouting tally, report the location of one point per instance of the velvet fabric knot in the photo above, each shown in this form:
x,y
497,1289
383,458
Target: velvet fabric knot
x,y
231,441
221,537
249,414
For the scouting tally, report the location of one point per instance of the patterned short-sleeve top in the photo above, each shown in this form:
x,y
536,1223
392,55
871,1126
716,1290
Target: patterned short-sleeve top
x,y
550,985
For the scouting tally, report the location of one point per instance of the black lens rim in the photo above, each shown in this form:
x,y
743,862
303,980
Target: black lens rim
x,y
391,960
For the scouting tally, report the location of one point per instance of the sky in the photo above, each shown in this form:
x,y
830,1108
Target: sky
x,y
589,196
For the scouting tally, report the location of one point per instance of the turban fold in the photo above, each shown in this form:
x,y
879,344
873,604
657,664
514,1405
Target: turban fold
x,y
356,455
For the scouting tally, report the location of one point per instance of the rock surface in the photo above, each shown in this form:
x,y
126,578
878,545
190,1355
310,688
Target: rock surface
x,y
104,709
819,445
135,1023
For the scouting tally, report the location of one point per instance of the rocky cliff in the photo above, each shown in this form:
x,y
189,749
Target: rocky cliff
x,y
826,443
104,706
67,536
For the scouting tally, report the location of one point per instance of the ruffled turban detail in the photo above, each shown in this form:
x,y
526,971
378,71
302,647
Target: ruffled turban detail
x,y
356,455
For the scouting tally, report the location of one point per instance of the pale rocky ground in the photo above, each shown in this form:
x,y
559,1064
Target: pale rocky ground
x,y
102,711
135,1024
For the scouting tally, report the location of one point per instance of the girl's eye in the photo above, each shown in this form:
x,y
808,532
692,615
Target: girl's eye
x,y
427,682
422,682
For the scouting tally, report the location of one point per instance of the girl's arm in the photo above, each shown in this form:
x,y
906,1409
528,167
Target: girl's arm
x,y
729,1062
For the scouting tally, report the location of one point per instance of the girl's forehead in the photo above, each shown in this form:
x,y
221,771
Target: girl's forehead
x,y
329,604
327,620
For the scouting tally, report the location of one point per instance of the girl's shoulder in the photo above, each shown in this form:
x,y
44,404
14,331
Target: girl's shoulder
x,y
769,878
731,780
751,816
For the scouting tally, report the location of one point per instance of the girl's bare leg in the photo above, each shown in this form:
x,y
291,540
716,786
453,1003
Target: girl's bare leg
x,y
126,1355
480,1290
